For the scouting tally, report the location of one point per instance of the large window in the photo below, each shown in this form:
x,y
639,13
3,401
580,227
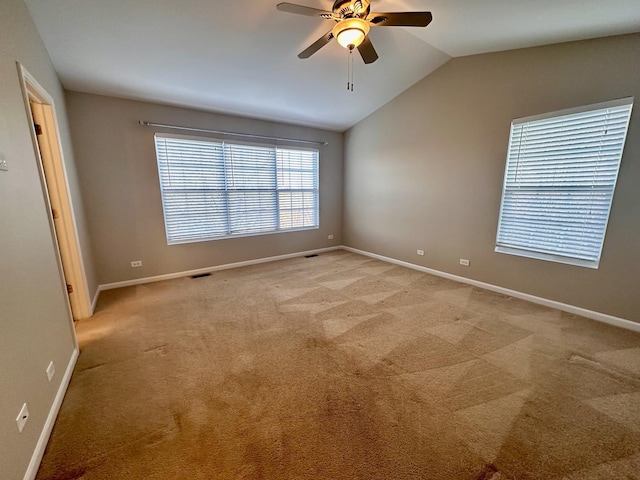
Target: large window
x,y
213,189
559,181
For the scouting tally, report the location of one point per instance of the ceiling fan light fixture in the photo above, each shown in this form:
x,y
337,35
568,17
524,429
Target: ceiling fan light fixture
x,y
351,32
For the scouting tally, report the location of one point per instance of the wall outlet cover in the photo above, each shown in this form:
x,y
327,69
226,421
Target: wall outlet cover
x,y
22,417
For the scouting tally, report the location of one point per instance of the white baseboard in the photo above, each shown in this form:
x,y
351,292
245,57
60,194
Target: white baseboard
x,y
600,317
200,271
36,458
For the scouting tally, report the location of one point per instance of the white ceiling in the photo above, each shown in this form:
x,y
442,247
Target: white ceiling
x,y
240,56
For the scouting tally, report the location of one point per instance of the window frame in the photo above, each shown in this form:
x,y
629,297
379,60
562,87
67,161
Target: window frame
x,y
529,253
276,190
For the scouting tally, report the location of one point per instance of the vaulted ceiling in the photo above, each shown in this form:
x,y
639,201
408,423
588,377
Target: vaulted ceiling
x,y
240,56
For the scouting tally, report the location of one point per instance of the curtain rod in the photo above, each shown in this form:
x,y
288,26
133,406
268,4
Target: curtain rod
x,y
219,132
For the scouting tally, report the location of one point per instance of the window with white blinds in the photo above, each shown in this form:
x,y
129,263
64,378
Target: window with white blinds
x,y
213,189
559,181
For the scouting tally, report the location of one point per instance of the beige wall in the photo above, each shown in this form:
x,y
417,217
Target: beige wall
x,y
118,173
35,325
426,170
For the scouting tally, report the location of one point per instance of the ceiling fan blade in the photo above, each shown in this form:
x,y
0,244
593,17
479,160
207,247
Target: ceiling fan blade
x,y
317,45
302,10
400,19
367,52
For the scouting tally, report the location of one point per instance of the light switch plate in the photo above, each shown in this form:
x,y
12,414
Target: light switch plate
x,y
51,371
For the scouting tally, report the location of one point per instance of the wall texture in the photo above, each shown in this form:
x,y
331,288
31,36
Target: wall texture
x,y
119,177
426,170
35,324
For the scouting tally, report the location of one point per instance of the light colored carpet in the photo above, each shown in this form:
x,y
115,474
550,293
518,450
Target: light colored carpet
x,y
343,367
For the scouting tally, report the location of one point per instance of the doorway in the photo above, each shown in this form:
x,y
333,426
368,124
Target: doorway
x,y
46,138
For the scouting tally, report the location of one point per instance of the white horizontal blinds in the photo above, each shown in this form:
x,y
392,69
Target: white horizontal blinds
x,y
297,188
559,182
212,189
193,188
251,186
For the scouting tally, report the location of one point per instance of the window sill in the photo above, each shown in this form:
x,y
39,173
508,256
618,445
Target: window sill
x,y
548,257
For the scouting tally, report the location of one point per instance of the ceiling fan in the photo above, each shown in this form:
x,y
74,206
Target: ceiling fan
x,y
353,21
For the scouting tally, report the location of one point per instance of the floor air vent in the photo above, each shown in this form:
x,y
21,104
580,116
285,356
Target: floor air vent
x,y
310,256
202,275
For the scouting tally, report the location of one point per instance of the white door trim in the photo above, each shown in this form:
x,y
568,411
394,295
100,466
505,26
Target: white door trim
x,y
55,186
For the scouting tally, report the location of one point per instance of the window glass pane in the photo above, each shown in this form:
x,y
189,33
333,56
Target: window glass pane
x,y
252,212
249,167
194,215
297,209
298,188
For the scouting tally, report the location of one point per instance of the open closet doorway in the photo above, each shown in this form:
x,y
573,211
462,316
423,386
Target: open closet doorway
x,y
48,149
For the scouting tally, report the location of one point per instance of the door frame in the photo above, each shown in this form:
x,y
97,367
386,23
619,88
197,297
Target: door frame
x,y
55,186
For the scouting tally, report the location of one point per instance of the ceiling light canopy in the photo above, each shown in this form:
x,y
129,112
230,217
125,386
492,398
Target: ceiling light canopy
x,y
351,32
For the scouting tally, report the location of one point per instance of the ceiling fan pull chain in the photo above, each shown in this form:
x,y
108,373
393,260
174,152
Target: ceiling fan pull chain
x,y
349,72
352,71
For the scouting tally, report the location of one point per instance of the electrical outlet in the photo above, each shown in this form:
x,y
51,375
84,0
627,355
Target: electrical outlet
x,y
136,264
420,252
464,261
330,237
51,371
3,163
22,417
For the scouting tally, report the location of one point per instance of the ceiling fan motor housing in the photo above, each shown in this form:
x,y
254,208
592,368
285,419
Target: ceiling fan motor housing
x,y
352,8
